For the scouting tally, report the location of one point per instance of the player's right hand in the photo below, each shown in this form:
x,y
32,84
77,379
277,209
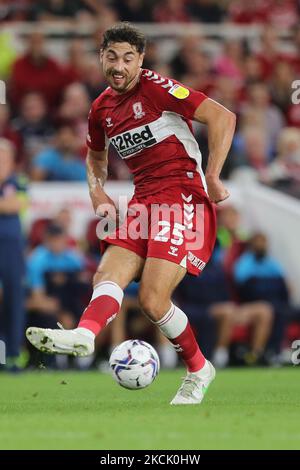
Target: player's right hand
x,y
104,206
109,219
106,211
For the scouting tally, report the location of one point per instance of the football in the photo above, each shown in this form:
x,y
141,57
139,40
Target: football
x,y
134,364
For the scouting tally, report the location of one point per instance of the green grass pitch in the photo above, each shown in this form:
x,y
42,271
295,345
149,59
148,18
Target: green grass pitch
x,y
243,409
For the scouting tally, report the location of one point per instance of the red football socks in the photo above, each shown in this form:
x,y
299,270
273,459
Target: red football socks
x,y
176,327
103,307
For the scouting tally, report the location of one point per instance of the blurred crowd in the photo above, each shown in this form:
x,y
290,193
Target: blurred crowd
x,y
248,318
282,13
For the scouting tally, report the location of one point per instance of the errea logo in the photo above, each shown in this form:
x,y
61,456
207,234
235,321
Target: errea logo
x,y
133,141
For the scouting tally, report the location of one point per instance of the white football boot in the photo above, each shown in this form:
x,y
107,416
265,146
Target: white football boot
x,y
194,386
70,342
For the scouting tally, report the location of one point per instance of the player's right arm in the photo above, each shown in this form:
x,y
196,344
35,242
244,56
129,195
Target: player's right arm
x,y
96,163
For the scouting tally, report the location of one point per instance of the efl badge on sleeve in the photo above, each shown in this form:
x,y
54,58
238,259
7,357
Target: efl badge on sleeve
x,y
179,92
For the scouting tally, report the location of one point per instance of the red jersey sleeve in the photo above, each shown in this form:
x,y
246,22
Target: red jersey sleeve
x,y
170,95
95,138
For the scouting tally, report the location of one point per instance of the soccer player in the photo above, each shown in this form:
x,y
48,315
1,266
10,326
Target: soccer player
x,y
147,118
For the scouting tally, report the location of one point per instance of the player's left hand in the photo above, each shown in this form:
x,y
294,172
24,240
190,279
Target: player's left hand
x,y
216,189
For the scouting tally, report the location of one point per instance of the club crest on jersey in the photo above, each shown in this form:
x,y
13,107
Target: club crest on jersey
x,y
133,141
138,110
179,92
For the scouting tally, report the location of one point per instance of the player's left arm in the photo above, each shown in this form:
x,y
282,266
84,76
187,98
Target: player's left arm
x,y
221,125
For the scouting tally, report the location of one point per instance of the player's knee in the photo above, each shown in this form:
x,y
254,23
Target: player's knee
x,y
98,277
103,275
152,305
148,303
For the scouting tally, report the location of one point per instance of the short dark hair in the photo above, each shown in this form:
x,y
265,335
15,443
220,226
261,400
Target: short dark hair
x,y
124,32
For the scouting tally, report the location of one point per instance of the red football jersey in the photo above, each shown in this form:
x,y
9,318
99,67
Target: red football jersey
x,y
150,128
